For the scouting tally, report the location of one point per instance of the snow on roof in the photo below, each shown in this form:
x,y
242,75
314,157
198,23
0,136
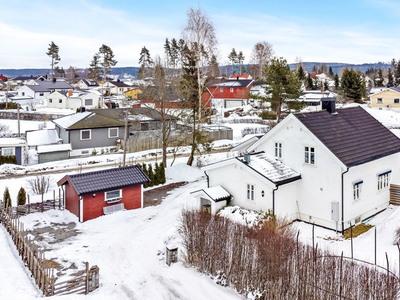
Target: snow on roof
x,y
270,167
54,148
42,137
11,142
215,193
68,121
140,117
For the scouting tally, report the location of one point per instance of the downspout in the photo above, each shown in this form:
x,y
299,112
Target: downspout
x,y
63,193
273,199
208,179
80,208
343,198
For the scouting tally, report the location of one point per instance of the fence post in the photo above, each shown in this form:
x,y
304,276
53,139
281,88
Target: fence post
x,y
54,199
29,205
92,279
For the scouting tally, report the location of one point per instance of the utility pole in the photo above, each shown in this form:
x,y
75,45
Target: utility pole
x,y
125,135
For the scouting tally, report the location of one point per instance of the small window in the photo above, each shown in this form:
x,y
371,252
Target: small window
x,y
250,192
357,220
59,100
7,151
112,132
383,180
41,94
357,190
278,150
309,155
23,94
88,102
396,101
85,152
86,134
50,100
231,90
113,196
221,89
379,100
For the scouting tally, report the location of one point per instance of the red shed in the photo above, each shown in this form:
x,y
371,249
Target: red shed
x,y
94,194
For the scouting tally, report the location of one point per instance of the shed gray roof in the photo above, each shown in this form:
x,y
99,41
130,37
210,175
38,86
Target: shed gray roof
x,y
352,135
105,180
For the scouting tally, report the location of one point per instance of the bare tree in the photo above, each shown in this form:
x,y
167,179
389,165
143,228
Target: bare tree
x,y
4,130
260,56
40,184
199,35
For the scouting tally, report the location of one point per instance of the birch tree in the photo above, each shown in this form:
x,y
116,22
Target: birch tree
x,y
260,56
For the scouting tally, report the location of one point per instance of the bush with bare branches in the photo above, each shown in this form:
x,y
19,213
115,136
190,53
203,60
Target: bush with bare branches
x,y
40,184
268,262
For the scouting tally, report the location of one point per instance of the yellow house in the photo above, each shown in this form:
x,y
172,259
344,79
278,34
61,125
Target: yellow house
x,y
388,98
133,93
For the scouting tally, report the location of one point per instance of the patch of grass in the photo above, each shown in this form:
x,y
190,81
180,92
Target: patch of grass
x,y
357,230
52,263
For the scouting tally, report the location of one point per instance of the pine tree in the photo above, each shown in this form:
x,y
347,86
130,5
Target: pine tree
x,y
52,52
353,85
145,62
390,78
300,73
106,59
21,196
310,82
94,68
240,60
174,53
213,67
7,198
331,74
167,51
337,82
151,175
156,174
233,58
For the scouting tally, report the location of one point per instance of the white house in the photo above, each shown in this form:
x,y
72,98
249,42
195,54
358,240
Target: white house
x,y
346,160
85,84
74,99
114,87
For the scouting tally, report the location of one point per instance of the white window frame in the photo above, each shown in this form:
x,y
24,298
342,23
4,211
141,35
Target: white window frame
x,y
59,100
50,100
8,148
109,132
278,150
357,187
113,199
309,155
90,134
89,104
384,180
396,99
379,100
221,89
250,192
231,90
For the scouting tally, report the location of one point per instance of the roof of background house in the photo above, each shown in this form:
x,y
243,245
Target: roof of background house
x,y
42,137
119,113
241,76
90,82
119,83
352,135
11,142
54,148
105,180
87,120
237,83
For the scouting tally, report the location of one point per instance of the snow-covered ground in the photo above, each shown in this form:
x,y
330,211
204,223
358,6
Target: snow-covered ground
x,y
129,246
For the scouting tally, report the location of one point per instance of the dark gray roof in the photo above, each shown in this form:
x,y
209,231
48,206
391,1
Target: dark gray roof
x,y
105,180
119,113
237,83
90,82
119,84
352,135
87,120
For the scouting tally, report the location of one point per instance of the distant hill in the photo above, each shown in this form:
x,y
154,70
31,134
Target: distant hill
x,y
132,71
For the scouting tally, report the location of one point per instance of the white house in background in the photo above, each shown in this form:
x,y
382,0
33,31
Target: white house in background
x,y
13,146
331,168
86,84
114,87
74,99
35,138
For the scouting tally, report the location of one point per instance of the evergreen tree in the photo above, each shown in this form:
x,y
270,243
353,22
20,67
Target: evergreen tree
x,y
106,59
156,174
331,74
353,85
162,173
94,68
280,84
314,68
233,58
213,67
52,52
7,198
300,73
145,62
21,198
390,78
167,51
337,82
326,85
151,175
310,82
59,72
379,81
174,54
240,60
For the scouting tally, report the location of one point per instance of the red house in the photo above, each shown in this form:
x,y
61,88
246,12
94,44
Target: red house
x,y
94,194
233,92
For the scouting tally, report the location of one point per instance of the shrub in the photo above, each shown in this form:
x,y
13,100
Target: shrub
x,y
41,184
94,152
7,198
265,114
21,198
8,159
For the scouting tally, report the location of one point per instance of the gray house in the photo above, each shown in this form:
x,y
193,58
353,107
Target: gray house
x,y
89,130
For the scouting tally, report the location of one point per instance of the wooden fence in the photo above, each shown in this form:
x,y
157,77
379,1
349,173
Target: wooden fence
x,y
44,205
42,270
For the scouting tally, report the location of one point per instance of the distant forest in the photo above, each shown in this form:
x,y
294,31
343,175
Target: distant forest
x,y
132,71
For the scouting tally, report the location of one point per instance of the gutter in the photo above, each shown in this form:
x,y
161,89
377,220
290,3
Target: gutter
x,y
208,179
273,199
343,198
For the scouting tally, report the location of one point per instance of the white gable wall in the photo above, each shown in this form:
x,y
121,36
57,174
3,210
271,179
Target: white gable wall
x,y
321,183
53,100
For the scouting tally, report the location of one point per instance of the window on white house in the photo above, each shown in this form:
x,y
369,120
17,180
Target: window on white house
x,y
112,132
50,100
231,90
278,150
221,89
379,100
309,155
7,151
59,100
250,192
383,180
88,102
86,134
23,94
357,190
113,196
396,101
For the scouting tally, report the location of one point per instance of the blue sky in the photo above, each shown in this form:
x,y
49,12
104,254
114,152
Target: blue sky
x,y
352,31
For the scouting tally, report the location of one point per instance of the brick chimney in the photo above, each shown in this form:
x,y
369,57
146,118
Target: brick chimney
x,y
69,93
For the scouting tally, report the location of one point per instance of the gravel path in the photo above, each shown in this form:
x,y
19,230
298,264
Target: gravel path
x,y
155,196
